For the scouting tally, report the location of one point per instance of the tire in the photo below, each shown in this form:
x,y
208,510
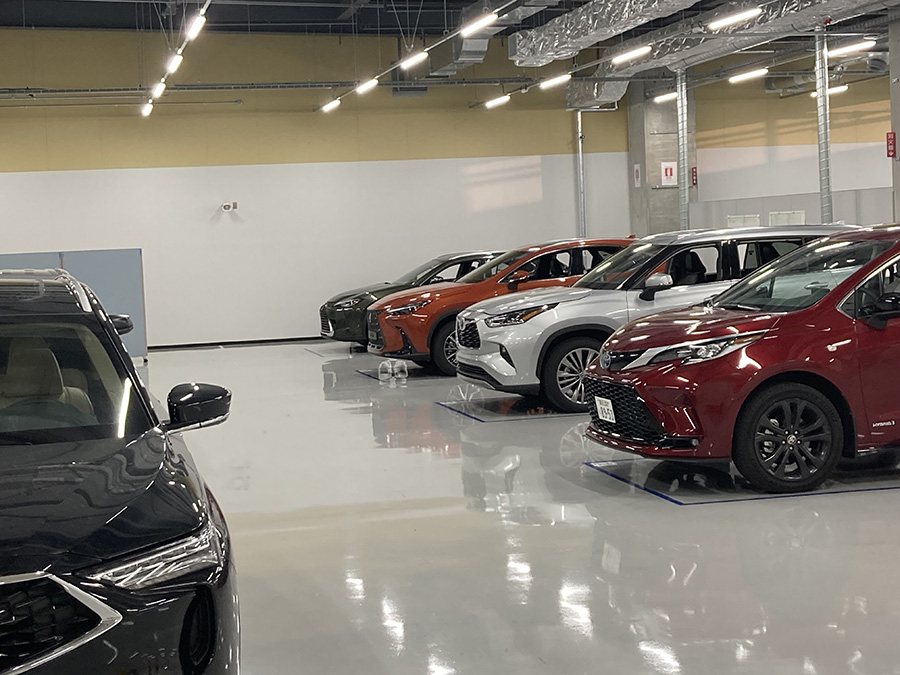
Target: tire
x,y
788,438
563,372
443,348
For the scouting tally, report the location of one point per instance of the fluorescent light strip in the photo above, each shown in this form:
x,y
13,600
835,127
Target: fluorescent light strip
x,y
632,54
849,49
732,19
147,108
478,24
840,89
196,27
158,89
410,61
366,86
174,63
494,102
752,75
554,81
662,98
331,105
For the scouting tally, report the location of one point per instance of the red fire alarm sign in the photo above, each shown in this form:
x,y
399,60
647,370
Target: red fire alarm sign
x,y
891,144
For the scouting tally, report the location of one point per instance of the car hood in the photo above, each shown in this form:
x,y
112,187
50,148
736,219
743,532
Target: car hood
x,y
685,325
70,505
530,298
374,291
446,290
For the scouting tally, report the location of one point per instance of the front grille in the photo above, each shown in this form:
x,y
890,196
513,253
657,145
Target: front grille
x,y
634,421
36,617
467,334
325,326
373,327
620,360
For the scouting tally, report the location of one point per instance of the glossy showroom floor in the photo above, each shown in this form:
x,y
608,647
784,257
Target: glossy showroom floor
x,y
378,532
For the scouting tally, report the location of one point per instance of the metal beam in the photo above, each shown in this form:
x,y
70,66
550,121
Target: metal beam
x,y
684,195
352,9
824,126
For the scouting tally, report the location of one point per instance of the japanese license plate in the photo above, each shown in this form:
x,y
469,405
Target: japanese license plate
x,y
605,409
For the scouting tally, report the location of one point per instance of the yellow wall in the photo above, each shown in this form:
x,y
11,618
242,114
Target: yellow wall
x,y
271,126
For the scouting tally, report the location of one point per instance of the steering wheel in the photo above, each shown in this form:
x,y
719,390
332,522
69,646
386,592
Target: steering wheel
x,y
870,295
50,410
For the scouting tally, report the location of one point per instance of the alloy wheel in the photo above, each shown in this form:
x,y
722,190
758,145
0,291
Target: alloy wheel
x,y
451,348
571,370
793,439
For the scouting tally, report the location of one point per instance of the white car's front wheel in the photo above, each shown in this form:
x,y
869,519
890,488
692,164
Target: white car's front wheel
x,y
562,377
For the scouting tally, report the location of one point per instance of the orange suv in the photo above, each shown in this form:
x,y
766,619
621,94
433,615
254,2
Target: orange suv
x,y
420,325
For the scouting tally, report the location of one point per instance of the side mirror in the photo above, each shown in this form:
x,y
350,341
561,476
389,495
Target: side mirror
x,y
654,284
193,405
516,278
886,307
122,323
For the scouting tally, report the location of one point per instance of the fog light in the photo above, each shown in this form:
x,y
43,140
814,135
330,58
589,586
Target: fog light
x,y
198,635
506,357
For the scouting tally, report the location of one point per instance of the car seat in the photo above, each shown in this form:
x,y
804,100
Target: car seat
x,y
687,269
33,373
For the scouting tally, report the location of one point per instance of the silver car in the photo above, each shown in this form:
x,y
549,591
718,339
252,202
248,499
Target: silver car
x,y
541,341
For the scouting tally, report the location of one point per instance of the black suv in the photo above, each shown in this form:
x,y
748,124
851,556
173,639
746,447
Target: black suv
x,y
344,316
115,557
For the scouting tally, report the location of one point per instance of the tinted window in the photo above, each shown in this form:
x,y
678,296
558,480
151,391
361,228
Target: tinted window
x,y
59,382
494,266
802,278
697,265
550,266
613,272
418,274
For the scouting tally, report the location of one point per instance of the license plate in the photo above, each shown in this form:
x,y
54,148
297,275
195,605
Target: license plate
x,y
605,409
373,336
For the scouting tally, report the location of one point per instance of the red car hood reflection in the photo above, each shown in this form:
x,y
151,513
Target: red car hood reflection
x,y
686,325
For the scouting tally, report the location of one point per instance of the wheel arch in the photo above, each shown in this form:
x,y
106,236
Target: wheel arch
x,y
823,385
449,315
598,331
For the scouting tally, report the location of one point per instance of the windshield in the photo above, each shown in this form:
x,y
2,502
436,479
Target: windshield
x,y
413,277
613,272
492,267
58,383
801,278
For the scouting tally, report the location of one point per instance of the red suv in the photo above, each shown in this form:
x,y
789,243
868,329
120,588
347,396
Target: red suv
x,y
420,325
786,372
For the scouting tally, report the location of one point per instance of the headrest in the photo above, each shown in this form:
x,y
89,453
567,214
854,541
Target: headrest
x,y
32,373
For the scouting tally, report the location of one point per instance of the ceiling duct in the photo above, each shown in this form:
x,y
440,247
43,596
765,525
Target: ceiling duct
x,y
584,27
461,52
689,43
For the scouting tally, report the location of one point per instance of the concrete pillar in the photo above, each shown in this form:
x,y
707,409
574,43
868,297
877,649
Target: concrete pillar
x,y
894,39
652,140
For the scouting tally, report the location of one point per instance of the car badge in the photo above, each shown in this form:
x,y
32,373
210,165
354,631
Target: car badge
x,y
605,360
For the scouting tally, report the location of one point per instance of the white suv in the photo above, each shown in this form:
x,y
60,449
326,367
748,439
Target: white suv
x,y
541,341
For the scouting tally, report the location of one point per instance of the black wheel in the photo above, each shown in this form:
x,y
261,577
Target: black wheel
x,y
444,348
788,438
562,377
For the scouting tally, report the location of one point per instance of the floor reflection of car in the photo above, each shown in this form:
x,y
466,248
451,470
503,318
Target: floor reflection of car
x,y
115,556
785,373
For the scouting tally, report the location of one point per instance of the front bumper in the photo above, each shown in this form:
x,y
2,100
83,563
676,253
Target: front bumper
x,y
504,359
345,324
392,337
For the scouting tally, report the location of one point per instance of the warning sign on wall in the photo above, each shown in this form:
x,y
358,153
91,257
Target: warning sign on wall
x,y
669,173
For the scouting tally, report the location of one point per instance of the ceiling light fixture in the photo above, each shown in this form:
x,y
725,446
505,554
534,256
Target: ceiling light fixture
x,y
158,89
478,24
410,61
366,86
174,63
849,49
196,27
732,19
147,108
668,96
331,105
494,102
632,54
839,89
554,81
751,75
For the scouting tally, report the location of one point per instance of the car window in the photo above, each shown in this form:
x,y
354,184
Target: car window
x,y
553,265
416,275
592,256
755,254
616,270
696,265
448,273
493,267
886,280
59,382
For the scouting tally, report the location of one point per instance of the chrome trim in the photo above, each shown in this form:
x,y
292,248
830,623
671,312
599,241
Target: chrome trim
x,y
109,618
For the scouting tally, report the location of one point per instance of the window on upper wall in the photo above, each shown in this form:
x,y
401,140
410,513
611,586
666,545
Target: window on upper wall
x,y
787,218
747,220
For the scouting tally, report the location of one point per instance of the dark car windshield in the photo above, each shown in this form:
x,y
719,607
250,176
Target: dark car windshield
x,y
801,278
59,382
492,267
613,272
413,277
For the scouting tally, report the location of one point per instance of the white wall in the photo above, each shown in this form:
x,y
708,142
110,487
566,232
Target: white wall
x,y
302,232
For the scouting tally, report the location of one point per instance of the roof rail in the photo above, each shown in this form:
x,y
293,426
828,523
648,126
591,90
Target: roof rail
x,y
42,276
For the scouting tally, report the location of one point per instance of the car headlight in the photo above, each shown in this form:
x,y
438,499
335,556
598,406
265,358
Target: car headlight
x,y
705,350
197,551
347,304
407,309
518,317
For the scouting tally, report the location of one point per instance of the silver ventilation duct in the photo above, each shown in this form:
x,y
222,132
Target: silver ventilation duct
x,y
689,43
459,53
594,22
